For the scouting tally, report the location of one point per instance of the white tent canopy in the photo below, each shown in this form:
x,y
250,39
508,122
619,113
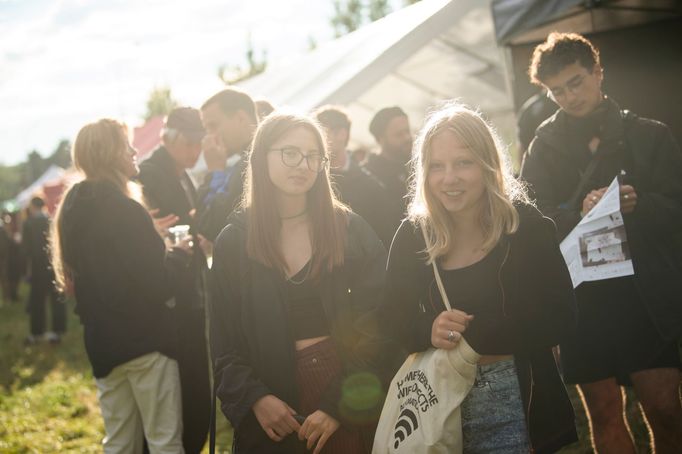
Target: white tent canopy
x,y
52,174
415,58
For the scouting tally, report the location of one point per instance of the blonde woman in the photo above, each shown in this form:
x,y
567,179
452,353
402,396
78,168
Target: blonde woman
x,y
107,251
292,273
502,271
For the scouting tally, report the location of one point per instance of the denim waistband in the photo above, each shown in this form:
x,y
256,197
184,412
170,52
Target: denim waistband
x,y
488,371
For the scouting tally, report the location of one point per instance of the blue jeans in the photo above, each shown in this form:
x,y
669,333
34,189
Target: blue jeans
x,y
493,420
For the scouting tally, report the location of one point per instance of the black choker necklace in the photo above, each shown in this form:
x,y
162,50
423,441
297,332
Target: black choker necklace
x,y
295,216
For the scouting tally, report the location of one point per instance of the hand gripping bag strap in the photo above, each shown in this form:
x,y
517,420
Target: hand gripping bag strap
x,y
468,353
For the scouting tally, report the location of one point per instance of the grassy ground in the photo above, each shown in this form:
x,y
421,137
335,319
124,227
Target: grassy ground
x,y
48,401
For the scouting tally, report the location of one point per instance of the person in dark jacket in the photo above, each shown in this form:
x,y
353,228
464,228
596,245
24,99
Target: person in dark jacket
x,y
230,120
355,185
390,127
168,189
292,274
505,278
628,326
108,253
34,242
15,260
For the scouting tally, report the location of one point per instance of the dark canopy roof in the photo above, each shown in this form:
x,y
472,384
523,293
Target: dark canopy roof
x,y
523,21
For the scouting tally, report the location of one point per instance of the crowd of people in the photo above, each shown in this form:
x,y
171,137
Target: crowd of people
x,y
306,277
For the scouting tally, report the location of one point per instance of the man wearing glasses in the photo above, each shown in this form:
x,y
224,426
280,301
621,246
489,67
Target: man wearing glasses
x,y
628,326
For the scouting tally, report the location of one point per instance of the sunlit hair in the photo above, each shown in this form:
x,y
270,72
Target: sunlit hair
x,y
98,153
328,216
498,215
559,51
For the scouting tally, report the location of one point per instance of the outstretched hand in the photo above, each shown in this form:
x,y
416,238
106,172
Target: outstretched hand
x,y
162,224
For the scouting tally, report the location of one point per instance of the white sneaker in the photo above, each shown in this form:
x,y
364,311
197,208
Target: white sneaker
x,y
52,337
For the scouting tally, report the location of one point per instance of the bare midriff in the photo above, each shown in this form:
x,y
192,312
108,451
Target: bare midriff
x,y
305,343
489,359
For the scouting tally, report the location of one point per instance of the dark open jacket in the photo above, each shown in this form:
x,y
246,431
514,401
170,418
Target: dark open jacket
x,y
540,310
121,275
163,190
648,152
251,344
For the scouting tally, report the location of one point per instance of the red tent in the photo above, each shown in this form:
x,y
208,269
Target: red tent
x,y
147,137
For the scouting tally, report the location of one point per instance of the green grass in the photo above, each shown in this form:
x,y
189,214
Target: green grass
x,y
48,400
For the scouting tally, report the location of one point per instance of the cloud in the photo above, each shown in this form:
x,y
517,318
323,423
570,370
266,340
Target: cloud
x,y
68,62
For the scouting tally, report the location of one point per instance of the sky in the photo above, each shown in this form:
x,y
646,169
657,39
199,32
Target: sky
x,y
64,63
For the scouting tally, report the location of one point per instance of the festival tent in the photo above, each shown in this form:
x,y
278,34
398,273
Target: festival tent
x,y
53,174
415,58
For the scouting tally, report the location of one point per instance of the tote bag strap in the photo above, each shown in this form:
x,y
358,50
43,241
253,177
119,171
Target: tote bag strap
x,y
467,352
441,288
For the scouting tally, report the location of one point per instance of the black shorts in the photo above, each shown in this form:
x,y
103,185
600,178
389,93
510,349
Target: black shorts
x,y
615,336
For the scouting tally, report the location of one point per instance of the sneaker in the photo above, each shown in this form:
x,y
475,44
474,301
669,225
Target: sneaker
x,y
53,338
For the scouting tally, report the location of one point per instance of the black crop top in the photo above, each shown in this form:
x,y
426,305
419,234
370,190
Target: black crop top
x,y
304,307
476,290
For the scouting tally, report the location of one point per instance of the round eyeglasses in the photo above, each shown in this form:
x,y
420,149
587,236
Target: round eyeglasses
x,y
293,156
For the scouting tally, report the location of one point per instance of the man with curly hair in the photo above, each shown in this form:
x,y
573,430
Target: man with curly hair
x,y
628,326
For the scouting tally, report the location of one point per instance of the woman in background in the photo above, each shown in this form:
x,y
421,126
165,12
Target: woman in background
x,y
106,250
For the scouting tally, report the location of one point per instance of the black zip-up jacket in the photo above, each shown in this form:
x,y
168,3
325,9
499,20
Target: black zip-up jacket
x,y
648,153
121,275
251,343
538,306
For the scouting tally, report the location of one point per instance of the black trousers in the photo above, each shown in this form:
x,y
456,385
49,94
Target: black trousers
x,y
43,289
194,378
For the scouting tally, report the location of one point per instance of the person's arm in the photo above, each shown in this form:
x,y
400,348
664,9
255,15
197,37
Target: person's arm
x,y
659,207
535,173
237,384
544,311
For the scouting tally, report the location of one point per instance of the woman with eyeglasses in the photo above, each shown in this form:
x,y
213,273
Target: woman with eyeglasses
x,y
293,272
107,252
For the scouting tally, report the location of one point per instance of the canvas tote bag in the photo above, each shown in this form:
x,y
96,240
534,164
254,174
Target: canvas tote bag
x,y
422,413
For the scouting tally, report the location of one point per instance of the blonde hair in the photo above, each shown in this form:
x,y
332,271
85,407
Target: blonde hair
x,y
498,216
328,216
97,153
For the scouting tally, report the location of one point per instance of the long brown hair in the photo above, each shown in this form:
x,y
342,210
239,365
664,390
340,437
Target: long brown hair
x,y
499,216
97,154
327,215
